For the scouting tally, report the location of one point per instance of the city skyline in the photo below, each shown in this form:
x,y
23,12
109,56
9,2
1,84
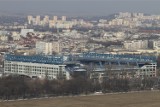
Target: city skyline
x,y
52,48
77,7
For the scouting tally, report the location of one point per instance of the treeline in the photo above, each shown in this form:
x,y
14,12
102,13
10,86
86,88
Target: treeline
x,y
15,87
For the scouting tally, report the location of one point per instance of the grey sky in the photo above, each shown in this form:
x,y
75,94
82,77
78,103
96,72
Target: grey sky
x,y
79,0
79,7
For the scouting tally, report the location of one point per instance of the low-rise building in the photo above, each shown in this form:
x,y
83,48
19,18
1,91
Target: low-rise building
x,y
142,70
35,66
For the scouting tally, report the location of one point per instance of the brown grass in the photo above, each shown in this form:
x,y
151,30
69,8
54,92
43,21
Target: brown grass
x,y
143,99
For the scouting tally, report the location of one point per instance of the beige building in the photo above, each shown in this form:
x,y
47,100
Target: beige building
x,y
64,18
56,46
46,20
43,47
30,18
48,48
135,45
38,20
55,18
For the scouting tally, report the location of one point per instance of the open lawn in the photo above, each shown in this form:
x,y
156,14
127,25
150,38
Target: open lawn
x,y
142,99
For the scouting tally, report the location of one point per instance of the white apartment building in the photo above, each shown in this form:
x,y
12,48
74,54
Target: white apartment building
x,y
35,70
148,70
136,44
43,47
38,20
30,19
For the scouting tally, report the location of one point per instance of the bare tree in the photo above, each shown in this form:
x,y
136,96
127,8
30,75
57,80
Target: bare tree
x,y
108,71
60,75
90,70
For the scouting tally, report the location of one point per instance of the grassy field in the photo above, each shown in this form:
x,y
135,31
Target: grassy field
x,y
143,99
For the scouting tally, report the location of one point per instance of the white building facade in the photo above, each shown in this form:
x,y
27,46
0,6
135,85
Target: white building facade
x,y
35,70
148,70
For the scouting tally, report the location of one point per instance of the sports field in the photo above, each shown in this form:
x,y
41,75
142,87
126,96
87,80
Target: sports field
x,y
142,99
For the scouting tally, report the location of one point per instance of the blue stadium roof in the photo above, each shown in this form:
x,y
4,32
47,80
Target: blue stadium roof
x,y
111,57
35,59
90,56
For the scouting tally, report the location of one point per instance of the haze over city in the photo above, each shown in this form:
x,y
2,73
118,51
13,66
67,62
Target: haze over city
x,y
78,7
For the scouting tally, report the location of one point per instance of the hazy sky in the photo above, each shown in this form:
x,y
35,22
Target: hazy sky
x,y
79,7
